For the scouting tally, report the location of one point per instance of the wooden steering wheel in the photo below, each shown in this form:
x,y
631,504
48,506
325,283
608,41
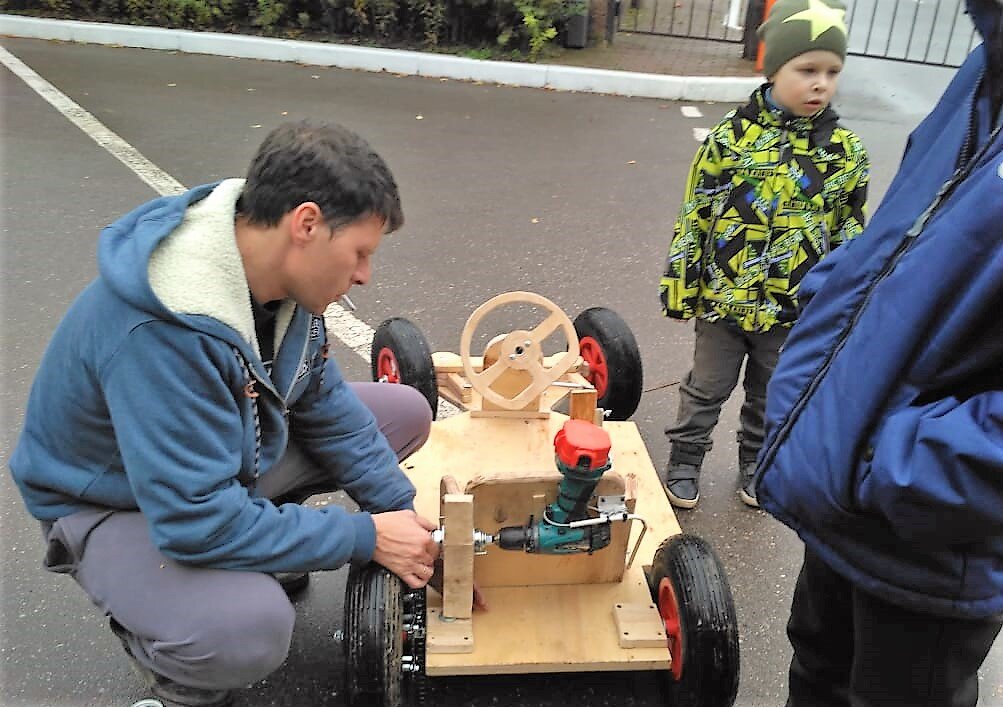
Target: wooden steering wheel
x,y
520,350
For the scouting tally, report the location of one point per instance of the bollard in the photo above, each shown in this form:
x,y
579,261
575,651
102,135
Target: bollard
x,y
761,50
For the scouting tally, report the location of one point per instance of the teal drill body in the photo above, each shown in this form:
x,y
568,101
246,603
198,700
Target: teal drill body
x,y
582,457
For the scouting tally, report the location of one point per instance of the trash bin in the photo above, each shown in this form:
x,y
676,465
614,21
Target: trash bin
x,y
576,24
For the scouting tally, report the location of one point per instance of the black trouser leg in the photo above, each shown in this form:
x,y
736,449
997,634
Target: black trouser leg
x,y
854,649
821,631
905,658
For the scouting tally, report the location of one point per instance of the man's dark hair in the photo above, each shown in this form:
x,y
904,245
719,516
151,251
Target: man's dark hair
x,y
324,163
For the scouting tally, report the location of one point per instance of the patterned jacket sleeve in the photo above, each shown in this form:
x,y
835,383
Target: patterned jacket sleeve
x,y
679,287
853,211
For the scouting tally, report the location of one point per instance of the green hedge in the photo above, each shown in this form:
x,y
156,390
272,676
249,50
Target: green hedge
x,y
486,28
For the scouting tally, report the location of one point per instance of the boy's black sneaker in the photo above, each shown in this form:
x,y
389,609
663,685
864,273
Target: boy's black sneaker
x,y
165,690
746,488
682,485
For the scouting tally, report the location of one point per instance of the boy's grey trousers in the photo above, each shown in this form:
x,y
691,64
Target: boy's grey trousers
x,y
207,628
719,351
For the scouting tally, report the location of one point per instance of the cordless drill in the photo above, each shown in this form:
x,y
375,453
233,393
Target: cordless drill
x,y
582,456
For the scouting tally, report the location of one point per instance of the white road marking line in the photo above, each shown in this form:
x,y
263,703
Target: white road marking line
x,y
700,134
691,112
353,332
161,182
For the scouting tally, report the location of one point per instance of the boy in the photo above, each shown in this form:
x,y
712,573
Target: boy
x,y
775,187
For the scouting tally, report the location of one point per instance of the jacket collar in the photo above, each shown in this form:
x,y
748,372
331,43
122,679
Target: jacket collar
x,y
760,110
197,268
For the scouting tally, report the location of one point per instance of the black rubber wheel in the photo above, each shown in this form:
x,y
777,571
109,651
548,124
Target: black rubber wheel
x,y
384,640
691,591
400,354
609,348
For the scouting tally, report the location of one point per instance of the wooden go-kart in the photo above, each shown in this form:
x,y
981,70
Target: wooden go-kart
x,y
507,476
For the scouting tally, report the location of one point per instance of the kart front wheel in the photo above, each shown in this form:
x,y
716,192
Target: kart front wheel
x,y
612,359
400,354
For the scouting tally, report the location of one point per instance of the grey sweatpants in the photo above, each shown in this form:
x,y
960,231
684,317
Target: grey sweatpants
x,y
208,628
719,351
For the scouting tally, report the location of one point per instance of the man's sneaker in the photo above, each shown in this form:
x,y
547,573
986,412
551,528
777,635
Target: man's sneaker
x,y
292,582
747,488
681,485
165,691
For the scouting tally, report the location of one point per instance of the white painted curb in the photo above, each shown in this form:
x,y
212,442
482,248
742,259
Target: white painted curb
x,y
561,78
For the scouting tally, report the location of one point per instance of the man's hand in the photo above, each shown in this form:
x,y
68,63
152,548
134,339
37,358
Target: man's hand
x,y
404,546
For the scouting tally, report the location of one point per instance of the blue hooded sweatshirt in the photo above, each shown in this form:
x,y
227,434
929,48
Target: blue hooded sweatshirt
x,y
884,446
152,395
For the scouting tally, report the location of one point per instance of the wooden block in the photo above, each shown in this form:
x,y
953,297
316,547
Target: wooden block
x,y
583,405
449,362
445,636
459,386
457,554
639,626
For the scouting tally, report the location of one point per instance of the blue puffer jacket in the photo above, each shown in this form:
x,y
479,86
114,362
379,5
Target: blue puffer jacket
x,y
884,446
152,395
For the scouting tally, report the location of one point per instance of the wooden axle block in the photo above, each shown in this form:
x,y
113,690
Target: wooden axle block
x,y
583,405
457,555
639,626
448,635
458,385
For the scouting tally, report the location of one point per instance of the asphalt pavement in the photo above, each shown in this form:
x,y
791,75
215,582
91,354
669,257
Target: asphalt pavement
x,y
567,194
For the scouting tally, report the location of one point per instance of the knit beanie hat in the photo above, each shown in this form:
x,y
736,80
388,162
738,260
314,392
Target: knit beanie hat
x,y
798,26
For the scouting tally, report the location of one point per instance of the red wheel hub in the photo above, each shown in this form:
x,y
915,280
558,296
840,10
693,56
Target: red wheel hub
x,y
386,366
668,607
592,354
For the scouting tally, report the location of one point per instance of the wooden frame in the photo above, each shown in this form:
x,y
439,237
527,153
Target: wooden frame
x,y
493,465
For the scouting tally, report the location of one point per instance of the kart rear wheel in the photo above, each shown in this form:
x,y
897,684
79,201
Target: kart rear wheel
x,y
384,640
400,354
691,591
608,347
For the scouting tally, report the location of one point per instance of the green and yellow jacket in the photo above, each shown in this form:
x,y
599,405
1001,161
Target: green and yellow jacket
x,y
768,196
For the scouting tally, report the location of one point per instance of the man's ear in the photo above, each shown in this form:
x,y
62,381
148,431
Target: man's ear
x,y
306,222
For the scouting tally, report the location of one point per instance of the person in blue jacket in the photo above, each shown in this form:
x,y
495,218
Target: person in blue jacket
x,y
189,391
884,445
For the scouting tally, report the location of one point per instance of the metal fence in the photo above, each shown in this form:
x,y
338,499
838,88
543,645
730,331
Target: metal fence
x,y
919,31
697,19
